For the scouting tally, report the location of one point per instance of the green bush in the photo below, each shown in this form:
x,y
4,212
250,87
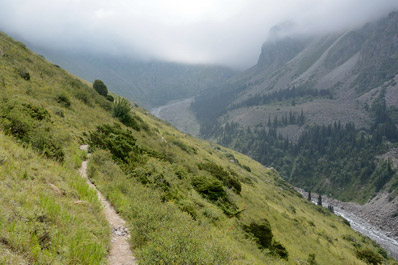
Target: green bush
x,y
261,232
25,75
63,100
311,259
110,98
210,187
121,110
100,87
279,250
229,180
369,256
31,125
113,138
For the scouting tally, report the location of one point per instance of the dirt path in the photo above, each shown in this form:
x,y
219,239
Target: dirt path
x,y
120,253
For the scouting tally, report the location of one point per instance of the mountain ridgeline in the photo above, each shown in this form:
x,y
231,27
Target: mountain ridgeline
x,y
185,200
150,83
322,110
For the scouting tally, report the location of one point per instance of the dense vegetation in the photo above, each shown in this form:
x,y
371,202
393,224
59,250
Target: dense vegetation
x,y
293,94
334,159
185,200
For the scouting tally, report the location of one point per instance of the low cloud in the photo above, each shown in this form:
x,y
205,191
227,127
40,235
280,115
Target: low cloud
x,y
201,31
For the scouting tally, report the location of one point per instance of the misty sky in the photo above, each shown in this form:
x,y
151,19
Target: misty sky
x,y
228,32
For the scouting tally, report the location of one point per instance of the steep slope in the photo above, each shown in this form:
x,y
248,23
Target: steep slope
x,y
185,200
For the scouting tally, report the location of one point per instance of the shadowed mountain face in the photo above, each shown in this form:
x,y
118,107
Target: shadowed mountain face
x,y
352,66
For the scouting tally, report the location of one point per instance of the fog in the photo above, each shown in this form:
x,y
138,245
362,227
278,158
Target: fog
x,y
227,32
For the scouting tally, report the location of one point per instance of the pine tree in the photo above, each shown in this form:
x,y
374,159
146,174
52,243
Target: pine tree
x,y
309,195
320,200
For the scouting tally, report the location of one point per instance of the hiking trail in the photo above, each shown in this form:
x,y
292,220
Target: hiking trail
x,y
120,253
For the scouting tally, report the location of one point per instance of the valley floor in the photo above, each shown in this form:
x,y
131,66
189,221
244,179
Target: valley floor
x,y
178,113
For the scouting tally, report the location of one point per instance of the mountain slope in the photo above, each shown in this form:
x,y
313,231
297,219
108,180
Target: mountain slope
x,y
150,83
185,200
352,66
322,94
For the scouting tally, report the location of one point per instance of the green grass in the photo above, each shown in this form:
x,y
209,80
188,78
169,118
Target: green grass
x,y
50,216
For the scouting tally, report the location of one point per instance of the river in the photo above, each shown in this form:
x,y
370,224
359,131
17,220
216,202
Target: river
x,y
389,243
178,114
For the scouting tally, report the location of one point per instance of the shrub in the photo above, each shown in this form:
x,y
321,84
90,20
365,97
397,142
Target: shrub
x,y
25,75
31,125
113,138
188,207
261,232
209,187
63,100
369,256
311,259
110,98
279,250
217,171
182,146
100,87
121,110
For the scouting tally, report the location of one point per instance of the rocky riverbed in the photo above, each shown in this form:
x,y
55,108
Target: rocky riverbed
x,y
373,219
178,114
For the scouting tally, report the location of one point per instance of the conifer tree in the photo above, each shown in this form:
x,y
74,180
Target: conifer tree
x,y
320,200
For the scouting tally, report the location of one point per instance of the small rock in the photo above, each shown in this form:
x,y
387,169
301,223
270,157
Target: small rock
x,y
56,190
80,202
120,231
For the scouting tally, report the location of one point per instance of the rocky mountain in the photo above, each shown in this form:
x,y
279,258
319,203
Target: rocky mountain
x,y
351,66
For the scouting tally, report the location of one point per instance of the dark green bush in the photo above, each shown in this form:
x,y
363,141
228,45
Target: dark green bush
x,y
279,250
63,100
113,138
369,256
212,189
311,259
231,181
261,232
25,75
100,87
110,98
247,168
209,187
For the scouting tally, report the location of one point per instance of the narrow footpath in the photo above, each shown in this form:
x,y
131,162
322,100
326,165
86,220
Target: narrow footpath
x,y
120,253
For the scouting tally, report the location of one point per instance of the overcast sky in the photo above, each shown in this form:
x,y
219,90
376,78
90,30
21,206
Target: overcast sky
x,y
228,32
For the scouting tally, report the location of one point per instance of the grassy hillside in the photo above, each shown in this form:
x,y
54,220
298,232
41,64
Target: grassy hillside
x,y
185,200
